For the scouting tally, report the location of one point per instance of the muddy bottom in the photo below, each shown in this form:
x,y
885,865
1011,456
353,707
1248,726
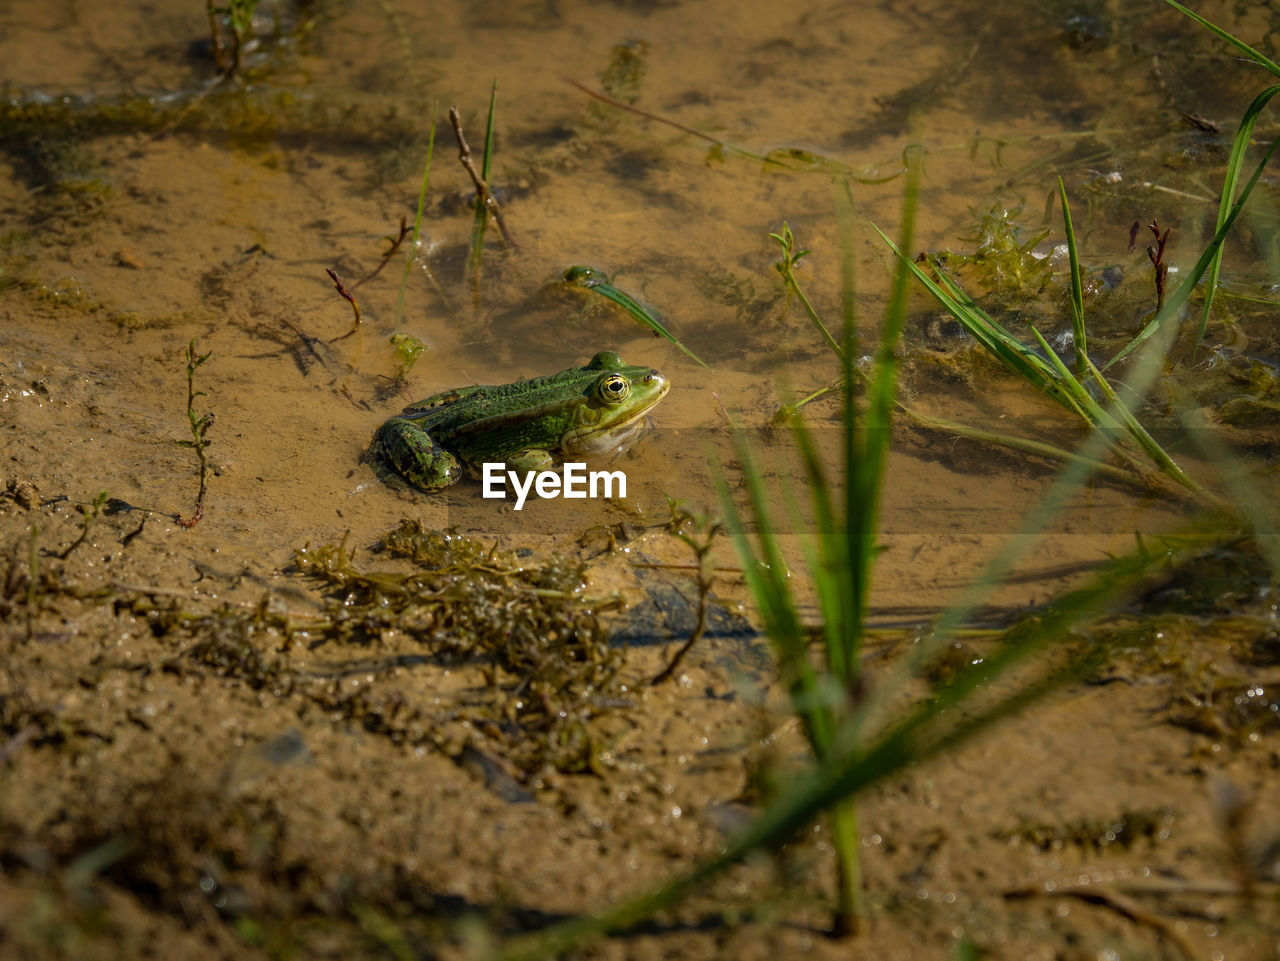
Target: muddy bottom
x,y
212,761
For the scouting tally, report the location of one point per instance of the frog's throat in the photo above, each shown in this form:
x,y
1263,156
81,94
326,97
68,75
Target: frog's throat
x,y
601,441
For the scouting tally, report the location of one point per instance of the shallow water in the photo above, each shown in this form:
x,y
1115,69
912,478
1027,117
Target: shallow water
x,y
140,210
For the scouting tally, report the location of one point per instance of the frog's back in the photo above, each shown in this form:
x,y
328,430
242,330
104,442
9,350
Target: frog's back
x,y
503,419
439,403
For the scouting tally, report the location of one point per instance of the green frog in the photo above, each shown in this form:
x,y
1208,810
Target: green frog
x,y
583,410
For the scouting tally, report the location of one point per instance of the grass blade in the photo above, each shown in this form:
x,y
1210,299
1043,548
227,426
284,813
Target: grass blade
x,y
1077,288
1236,42
1026,363
767,578
864,469
589,278
1244,135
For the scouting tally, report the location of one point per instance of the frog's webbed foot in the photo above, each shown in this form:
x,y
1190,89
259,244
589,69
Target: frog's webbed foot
x,y
411,452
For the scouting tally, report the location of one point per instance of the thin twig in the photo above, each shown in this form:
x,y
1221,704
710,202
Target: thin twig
x,y
346,295
199,427
405,231
703,578
1122,904
631,108
482,188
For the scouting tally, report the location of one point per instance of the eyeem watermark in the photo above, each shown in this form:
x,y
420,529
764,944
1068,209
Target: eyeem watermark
x,y
574,481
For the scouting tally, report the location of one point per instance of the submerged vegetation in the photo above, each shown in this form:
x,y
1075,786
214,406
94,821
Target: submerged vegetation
x,y
238,16
545,650
530,630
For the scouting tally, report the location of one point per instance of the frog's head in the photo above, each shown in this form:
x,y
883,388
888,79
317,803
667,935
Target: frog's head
x,y
615,401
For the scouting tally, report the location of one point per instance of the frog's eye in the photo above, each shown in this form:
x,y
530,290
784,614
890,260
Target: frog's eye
x,y
613,388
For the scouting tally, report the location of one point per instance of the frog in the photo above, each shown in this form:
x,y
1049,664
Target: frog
x,y
529,425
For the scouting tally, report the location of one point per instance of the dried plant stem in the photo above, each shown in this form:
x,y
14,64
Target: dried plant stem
x,y
704,590
405,231
1156,255
482,188
346,295
90,513
199,427
700,542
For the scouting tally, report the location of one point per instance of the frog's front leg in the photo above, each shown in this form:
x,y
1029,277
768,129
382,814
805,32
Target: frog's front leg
x,y
528,461
415,455
519,469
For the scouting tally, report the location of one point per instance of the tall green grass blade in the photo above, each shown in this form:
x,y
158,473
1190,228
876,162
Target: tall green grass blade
x,y
486,162
998,341
1244,136
417,218
1077,287
1150,447
1103,420
844,643
1036,370
865,471
1068,388
826,557
933,727
768,580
